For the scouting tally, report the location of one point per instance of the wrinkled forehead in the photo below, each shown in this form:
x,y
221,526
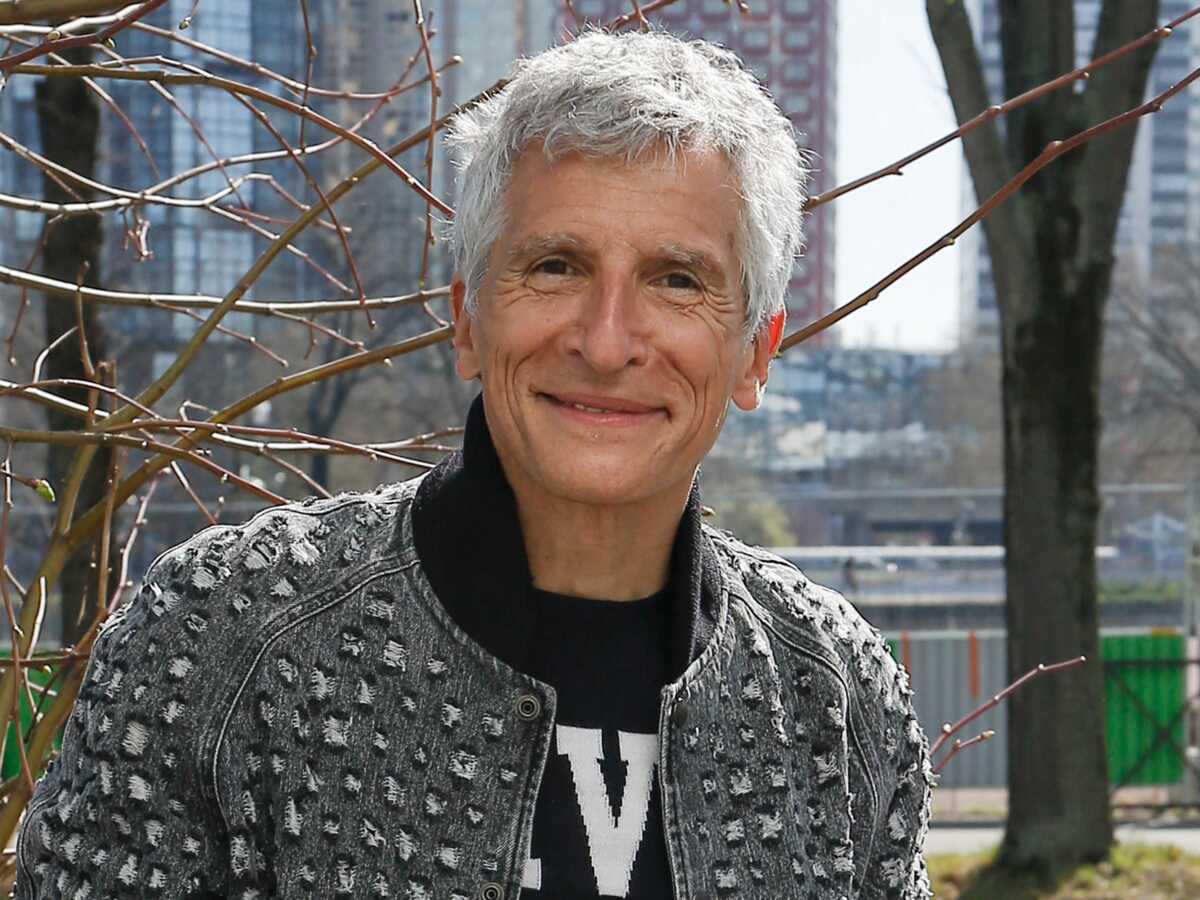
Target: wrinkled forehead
x,y
687,201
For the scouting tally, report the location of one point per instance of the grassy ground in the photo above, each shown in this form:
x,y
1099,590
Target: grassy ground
x,y
1131,871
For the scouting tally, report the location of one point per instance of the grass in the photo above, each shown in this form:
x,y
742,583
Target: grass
x,y
1131,871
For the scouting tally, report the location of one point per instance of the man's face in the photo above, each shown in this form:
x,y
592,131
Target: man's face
x,y
609,331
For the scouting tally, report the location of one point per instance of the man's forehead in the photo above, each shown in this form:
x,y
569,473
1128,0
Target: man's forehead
x,y
696,189
659,156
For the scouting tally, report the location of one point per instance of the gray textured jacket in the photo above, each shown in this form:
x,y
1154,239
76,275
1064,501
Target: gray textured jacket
x,y
287,710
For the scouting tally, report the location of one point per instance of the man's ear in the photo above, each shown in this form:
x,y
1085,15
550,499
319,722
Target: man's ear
x,y
756,363
466,357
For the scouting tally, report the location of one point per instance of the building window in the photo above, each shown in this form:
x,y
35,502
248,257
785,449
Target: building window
x,y
797,71
224,255
229,129
756,41
225,24
797,38
796,9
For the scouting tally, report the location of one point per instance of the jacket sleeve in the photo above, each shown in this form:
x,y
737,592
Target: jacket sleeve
x,y
896,868
120,812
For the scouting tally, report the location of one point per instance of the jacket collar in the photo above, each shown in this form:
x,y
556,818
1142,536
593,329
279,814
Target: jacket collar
x,y
468,540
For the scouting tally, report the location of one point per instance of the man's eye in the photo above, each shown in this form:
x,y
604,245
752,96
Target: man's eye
x,y
680,281
553,267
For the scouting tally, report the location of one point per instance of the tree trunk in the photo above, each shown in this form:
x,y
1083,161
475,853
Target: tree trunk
x,y
69,123
1058,778
1052,257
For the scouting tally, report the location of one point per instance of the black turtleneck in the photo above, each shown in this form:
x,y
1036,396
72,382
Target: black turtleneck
x,y
468,539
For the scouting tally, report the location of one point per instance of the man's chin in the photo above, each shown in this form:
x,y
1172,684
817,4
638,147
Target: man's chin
x,y
600,482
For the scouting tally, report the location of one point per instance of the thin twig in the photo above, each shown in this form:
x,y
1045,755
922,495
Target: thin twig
x,y
298,440
959,746
167,451
138,521
85,356
434,93
47,350
110,493
175,302
948,729
10,341
190,491
14,630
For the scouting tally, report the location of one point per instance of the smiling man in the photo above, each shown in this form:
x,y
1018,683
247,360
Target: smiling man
x,y
532,671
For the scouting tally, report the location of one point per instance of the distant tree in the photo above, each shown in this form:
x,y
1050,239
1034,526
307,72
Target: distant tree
x,y
964,404
1158,328
69,125
743,502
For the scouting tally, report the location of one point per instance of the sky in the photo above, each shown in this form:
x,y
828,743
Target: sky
x,y
892,100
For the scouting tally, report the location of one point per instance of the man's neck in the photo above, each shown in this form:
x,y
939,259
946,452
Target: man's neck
x,y
620,552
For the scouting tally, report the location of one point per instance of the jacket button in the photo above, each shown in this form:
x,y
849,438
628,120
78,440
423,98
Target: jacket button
x,y
491,891
529,707
679,718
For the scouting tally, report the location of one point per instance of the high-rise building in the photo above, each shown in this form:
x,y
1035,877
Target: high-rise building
x,y
1162,199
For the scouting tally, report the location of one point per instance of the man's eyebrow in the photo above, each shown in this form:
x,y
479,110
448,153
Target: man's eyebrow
x,y
537,244
563,242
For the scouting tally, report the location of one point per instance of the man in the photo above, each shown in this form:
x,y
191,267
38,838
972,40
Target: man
x,y
532,671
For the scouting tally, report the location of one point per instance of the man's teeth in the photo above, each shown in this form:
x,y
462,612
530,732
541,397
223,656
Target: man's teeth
x,y
591,409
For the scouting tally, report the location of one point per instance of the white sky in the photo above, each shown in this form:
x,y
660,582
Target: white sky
x,y
892,100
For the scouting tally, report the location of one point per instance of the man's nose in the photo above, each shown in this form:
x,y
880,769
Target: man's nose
x,y
610,332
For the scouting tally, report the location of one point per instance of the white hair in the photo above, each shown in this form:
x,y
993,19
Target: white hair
x,y
621,96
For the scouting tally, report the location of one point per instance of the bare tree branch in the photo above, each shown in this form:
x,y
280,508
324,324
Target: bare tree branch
x,y
18,12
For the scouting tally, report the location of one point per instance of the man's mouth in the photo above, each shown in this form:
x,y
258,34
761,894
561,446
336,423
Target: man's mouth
x,y
613,407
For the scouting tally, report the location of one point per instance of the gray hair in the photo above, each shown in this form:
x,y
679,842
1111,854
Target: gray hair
x,y
620,96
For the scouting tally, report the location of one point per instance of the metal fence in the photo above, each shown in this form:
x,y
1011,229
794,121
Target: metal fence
x,y
1152,692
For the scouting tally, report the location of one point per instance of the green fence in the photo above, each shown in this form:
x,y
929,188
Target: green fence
x,y
1144,698
11,764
